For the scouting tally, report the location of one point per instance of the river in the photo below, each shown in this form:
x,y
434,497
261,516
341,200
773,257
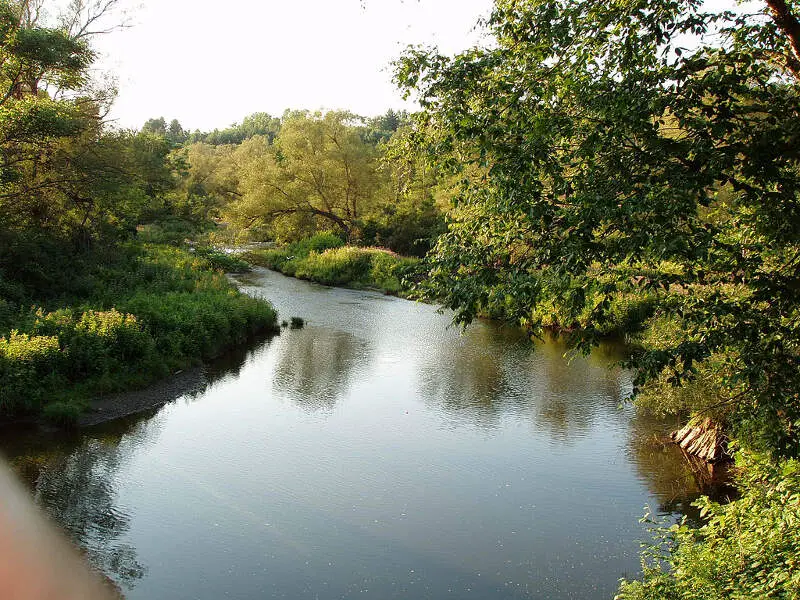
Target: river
x,y
374,453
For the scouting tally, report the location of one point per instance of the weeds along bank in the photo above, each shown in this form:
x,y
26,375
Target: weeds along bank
x,y
323,258
73,328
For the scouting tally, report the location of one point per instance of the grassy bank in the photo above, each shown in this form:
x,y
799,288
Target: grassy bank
x,y
325,259
112,320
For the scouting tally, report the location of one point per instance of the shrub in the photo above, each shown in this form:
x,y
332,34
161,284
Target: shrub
x,y
145,310
337,266
340,265
748,548
319,242
271,259
63,414
388,271
27,364
223,261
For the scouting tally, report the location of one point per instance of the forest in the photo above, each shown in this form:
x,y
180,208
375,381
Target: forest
x,y
626,170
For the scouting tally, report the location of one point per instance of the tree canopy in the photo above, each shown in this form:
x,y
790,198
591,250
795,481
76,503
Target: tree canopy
x,y
631,147
318,168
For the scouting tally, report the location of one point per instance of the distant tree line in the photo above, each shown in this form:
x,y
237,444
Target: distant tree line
x,y
290,177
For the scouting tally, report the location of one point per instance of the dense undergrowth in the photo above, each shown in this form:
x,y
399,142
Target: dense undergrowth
x,y
325,259
747,549
77,325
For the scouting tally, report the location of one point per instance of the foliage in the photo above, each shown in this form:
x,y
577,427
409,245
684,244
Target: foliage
x,y
325,260
318,242
224,261
638,147
380,129
25,361
137,313
407,228
59,172
339,266
747,549
318,167
257,124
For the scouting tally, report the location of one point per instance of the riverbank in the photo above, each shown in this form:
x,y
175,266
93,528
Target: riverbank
x,y
374,394
325,259
124,318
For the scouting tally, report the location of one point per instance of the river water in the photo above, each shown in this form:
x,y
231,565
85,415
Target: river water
x,y
375,453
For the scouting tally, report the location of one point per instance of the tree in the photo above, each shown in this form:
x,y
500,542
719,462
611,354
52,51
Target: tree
x,y
175,133
260,123
50,115
318,168
208,179
155,126
633,147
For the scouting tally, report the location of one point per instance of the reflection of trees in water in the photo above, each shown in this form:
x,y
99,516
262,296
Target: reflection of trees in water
x,y
469,377
570,394
492,370
74,477
316,364
75,483
230,364
670,476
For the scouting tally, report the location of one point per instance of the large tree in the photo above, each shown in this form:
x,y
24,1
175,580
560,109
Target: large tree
x,y
318,168
53,175
631,147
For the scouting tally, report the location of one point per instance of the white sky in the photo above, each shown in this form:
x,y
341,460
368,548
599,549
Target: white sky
x,y
211,64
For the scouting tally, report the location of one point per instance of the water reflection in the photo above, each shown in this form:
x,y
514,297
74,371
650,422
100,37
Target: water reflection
x,y
468,377
372,453
574,392
74,477
316,364
76,483
673,477
492,370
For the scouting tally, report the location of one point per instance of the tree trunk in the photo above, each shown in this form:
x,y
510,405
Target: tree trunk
x,y
703,438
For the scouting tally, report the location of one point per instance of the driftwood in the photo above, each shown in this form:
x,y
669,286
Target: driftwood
x,y
703,438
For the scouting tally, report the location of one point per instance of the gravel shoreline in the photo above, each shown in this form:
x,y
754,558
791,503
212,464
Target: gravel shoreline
x,y
123,404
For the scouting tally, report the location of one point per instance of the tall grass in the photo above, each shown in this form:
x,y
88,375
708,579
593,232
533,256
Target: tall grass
x,y
323,260
131,317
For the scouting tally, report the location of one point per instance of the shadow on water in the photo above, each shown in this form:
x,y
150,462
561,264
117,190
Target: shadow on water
x,y
73,475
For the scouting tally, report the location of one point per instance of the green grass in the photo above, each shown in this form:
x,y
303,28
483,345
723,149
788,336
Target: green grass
x,y
329,263
130,316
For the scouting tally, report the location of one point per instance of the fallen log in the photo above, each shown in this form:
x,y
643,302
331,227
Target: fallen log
x,y
703,438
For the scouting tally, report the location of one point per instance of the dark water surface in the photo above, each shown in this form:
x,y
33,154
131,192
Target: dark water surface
x,y
376,453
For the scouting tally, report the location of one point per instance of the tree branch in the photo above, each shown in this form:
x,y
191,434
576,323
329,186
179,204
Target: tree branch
x,y
787,22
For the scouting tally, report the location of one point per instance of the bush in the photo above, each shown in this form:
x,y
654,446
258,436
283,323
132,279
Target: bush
x,y
223,261
63,414
337,266
27,364
319,242
167,231
748,548
144,311
389,271
271,259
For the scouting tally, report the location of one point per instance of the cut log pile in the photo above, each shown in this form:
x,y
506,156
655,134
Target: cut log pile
x,y
703,438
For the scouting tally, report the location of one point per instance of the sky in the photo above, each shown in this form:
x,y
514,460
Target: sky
x,y
211,64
